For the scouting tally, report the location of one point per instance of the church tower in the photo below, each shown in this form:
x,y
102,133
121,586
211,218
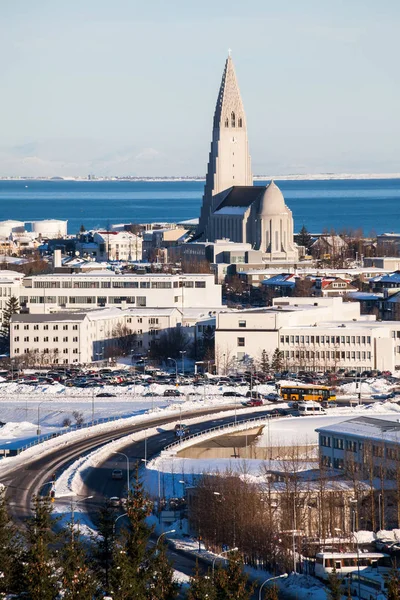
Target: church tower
x,y
229,160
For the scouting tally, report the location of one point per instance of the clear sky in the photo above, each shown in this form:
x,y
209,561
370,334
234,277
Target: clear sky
x,y
129,87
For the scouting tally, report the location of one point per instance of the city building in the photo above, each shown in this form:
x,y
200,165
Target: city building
x,y
10,285
311,334
363,445
117,245
82,291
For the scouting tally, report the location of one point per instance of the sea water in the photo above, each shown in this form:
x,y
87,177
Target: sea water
x,y
372,205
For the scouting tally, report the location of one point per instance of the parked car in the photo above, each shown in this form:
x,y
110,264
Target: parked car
x,y
382,396
273,397
116,474
235,394
105,395
254,394
172,393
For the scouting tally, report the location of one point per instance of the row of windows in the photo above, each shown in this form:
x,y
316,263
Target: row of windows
x,y
322,339
45,327
100,300
378,451
45,339
45,351
333,354
155,285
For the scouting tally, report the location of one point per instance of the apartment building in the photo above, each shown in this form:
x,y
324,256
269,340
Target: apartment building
x,y
83,291
362,444
85,337
10,285
117,245
312,334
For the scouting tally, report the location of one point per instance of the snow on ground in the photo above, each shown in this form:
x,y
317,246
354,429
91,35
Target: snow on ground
x,y
367,387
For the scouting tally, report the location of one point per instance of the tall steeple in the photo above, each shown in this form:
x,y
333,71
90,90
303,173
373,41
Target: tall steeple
x,y
229,161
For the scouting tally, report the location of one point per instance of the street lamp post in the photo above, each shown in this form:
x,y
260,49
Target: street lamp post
x,y
267,581
355,501
127,469
218,556
182,353
115,522
164,533
176,369
38,416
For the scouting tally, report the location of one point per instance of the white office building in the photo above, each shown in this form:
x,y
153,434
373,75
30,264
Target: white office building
x,y
311,333
83,291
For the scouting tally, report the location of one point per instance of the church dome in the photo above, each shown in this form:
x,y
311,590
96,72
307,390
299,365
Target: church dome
x,y
272,202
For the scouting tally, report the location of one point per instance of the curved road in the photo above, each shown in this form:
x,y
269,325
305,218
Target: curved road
x,y
26,480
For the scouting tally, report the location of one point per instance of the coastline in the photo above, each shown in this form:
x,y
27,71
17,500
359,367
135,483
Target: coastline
x,y
293,177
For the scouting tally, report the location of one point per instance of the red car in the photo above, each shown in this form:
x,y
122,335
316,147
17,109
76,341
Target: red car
x,y
254,402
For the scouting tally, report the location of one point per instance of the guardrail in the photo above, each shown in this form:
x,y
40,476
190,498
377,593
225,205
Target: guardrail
x,y
7,451
228,426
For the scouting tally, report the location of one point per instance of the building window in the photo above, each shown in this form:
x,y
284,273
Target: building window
x,y
242,323
65,339
55,327
16,351
45,339
16,327
75,339
226,122
26,339
55,339
36,339
240,122
36,327
26,327
200,284
65,327
65,350
240,341
75,351
75,327
45,327
338,443
233,119
16,339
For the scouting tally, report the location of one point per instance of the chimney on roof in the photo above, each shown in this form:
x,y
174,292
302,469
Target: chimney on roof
x,y
57,259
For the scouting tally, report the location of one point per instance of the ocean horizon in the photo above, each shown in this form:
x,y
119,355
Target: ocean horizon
x,y
371,205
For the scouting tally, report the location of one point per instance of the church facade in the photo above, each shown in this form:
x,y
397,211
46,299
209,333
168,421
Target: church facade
x,y
233,208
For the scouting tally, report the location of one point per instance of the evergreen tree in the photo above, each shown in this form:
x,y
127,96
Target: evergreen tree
x,y
82,228
393,588
11,308
77,580
162,585
130,572
277,361
39,577
201,586
264,362
304,238
104,546
334,585
10,551
231,583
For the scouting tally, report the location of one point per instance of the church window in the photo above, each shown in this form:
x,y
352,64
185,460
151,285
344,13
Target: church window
x,y
233,119
226,122
240,124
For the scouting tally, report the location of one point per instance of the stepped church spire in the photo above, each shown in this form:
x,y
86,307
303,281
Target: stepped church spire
x,y
229,161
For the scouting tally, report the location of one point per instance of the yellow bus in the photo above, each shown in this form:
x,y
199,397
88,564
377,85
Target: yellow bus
x,y
297,393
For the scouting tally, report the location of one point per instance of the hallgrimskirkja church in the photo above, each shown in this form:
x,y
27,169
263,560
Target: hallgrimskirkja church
x,y
233,208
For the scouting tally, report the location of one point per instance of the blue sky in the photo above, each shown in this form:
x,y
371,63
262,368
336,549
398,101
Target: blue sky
x,y
128,87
